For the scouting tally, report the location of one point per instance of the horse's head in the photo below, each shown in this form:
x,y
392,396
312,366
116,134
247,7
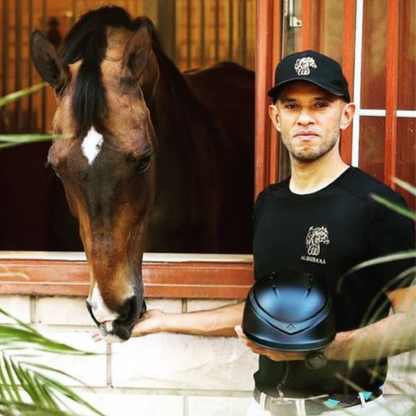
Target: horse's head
x,y
104,153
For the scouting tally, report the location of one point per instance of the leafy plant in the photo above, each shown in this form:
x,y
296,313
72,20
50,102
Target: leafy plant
x,y
9,140
30,388
407,277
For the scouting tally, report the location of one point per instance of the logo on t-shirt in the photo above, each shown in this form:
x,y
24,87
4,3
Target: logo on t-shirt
x,y
314,239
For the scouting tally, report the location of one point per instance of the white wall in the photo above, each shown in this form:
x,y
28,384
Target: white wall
x,y
163,374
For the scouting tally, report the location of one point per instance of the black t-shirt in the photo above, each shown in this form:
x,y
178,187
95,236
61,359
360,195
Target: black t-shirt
x,y
327,233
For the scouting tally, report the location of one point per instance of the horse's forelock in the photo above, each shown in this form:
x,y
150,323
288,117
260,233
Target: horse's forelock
x,y
90,24
87,41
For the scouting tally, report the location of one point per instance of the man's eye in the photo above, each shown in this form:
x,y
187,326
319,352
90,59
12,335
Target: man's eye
x,y
321,105
291,106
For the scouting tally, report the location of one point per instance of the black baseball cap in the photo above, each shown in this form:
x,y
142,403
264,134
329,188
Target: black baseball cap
x,y
312,67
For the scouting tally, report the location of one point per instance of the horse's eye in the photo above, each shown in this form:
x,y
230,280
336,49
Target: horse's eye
x,y
143,162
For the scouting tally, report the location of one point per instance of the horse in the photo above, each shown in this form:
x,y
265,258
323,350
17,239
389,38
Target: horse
x,y
145,161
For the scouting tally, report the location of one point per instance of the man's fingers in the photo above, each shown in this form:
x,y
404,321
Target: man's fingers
x,y
253,347
96,336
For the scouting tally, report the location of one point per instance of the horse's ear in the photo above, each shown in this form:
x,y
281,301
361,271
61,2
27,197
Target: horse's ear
x,y
136,53
46,59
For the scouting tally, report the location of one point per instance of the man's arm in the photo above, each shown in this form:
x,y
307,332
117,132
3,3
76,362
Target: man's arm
x,y
215,322
390,336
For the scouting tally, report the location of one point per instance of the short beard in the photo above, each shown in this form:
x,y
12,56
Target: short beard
x,y
311,154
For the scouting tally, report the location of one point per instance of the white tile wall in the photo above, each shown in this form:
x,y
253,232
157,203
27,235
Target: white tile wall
x,y
62,311
206,304
166,305
91,370
72,311
136,404
17,306
217,406
183,361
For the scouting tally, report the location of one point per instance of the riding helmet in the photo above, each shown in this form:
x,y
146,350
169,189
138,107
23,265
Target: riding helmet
x,y
289,311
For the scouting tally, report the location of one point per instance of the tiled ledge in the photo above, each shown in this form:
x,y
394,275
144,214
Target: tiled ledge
x,y
147,257
165,275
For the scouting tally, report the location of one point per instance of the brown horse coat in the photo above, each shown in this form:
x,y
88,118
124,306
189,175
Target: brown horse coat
x,y
149,159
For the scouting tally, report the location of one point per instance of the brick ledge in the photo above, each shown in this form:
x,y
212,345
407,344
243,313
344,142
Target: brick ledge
x,y
165,276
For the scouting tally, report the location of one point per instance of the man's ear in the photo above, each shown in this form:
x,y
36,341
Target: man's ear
x,y
347,115
274,117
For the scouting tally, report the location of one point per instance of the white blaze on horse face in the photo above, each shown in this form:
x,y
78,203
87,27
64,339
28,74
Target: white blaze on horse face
x,y
99,308
91,145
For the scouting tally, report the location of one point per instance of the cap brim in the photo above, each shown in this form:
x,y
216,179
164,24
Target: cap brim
x,y
274,92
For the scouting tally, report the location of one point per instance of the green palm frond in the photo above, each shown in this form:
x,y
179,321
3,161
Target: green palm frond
x,y
30,388
379,303
401,210
10,140
404,255
18,95
406,186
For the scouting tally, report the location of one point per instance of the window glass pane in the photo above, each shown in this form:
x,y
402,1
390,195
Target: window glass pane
x,y
406,155
407,56
373,73
372,130
330,28
326,17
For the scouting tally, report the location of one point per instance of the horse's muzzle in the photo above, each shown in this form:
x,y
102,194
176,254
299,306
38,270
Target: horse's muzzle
x,y
120,329
133,309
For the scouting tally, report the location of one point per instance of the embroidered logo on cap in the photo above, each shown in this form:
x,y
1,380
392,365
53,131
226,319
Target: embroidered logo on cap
x,y
303,65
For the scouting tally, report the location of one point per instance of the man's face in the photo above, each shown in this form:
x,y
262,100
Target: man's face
x,y
309,120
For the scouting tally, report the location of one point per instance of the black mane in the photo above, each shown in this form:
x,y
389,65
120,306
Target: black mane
x,y
87,41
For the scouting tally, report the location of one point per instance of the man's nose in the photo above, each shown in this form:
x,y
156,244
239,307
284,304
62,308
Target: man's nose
x,y
305,117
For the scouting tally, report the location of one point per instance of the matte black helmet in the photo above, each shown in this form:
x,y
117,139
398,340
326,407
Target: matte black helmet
x,y
289,311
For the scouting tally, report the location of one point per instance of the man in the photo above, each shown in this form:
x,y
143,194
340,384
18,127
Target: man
x,y
310,106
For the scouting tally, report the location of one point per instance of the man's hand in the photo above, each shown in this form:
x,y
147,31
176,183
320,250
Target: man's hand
x,y
150,322
273,355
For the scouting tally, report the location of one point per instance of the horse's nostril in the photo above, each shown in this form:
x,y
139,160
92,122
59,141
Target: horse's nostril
x,y
129,310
